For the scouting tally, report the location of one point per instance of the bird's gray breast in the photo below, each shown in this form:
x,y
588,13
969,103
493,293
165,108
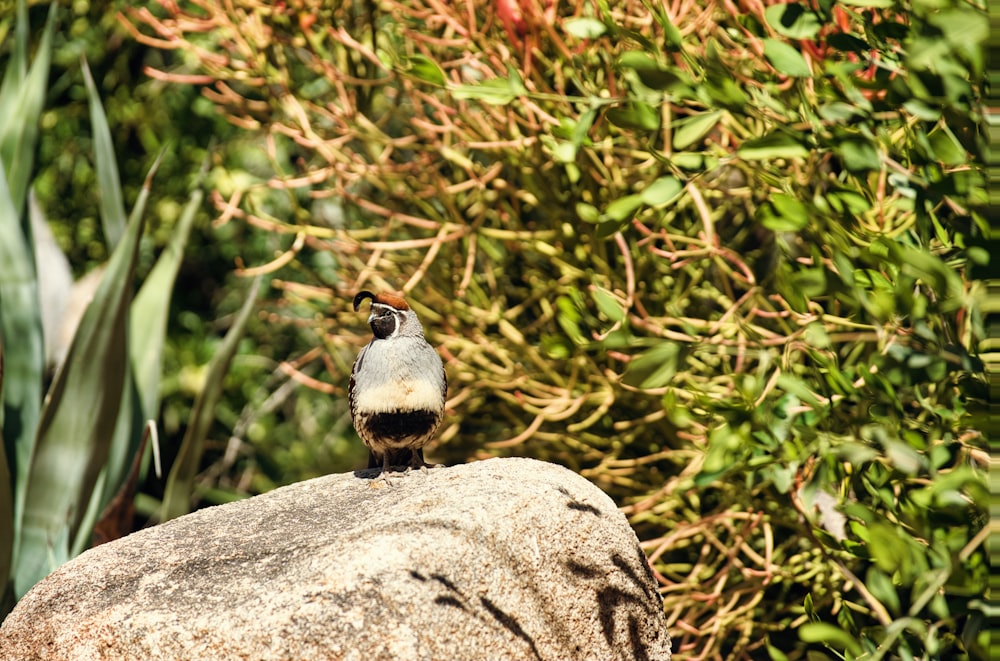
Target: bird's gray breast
x,y
400,374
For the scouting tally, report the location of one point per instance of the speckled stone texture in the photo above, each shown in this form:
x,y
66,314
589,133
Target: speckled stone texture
x,y
498,559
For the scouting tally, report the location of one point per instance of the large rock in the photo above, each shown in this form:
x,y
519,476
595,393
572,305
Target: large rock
x,y
498,559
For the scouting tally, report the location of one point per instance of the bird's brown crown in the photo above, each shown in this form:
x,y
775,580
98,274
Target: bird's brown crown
x,y
393,300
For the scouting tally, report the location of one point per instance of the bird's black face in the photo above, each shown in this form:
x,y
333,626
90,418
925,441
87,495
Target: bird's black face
x,y
384,320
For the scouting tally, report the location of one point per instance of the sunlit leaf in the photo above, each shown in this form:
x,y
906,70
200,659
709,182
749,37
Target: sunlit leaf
x,y
606,302
495,91
108,179
588,213
654,368
786,59
793,20
151,307
784,213
23,349
663,190
78,421
946,147
692,130
776,144
829,634
425,69
623,208
584,27
22,96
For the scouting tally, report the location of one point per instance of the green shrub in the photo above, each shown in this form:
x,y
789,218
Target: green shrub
x,y
716,261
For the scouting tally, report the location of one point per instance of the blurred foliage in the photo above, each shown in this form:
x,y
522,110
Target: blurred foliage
x,y
713,256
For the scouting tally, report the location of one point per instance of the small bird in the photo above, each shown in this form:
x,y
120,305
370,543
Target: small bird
x,y
398,385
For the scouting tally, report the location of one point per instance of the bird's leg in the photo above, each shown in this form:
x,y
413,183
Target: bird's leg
x,y
417,461
384,475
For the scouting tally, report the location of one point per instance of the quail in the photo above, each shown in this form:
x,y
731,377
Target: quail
x,y
398,385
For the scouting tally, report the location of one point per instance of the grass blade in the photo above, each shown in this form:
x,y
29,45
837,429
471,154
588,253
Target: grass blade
x,y
108,179
180,482
22,106
152,306
17,65
128,429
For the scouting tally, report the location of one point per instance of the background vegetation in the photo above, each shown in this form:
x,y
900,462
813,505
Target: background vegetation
x,y
714,256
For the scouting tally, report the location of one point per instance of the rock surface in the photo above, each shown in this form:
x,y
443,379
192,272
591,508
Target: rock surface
x,y
498,559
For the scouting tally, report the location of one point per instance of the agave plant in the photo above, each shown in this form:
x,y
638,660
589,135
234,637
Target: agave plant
x,y
73,440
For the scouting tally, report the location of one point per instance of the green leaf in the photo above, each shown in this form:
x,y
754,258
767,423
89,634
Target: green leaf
x,y
726,449
775,653
889,548
495,91
859,155
848,201
78,421
568,316
810,283
623,208
108,181
635,115
796,386
608,228
581,129
881,587
784,213
22,97
23,348
721,89
651,73
793,20
607,304
125,440
654,368
426,69
151,307
180,482
829,634
786,59
691,130
776,144
663,190
584,27
670,31
946,147
588,213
